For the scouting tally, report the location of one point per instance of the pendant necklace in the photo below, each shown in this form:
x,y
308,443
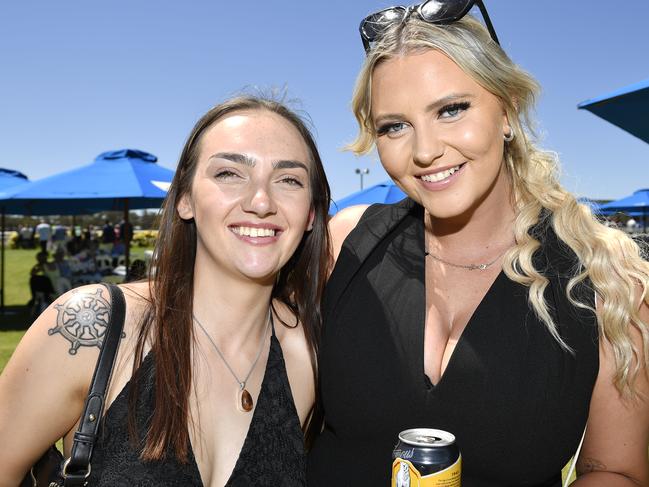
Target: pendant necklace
x,y
244,400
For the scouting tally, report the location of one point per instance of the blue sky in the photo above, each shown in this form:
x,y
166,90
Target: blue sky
x,y
78,78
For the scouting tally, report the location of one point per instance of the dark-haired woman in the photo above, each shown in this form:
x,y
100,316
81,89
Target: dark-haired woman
x,y
214,380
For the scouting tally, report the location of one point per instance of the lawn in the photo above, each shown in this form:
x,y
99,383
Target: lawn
x,y
19,262
8,342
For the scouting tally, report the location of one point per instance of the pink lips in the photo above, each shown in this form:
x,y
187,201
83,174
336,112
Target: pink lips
x,y
444,183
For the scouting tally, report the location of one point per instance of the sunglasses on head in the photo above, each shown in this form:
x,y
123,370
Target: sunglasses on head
x,y
433,11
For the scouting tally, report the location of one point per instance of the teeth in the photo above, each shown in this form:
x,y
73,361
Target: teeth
x,y
254,232
438,176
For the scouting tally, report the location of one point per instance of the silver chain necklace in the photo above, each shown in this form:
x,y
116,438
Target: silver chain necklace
x,y
244,398
471,267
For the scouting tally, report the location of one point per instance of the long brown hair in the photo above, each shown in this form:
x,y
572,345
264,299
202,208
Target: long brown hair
x,y
167,324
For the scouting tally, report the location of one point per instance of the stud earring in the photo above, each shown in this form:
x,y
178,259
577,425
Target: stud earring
x,y
509,137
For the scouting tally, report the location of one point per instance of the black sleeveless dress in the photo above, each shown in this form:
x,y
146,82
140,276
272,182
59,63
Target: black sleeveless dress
x,y
516,402
272,454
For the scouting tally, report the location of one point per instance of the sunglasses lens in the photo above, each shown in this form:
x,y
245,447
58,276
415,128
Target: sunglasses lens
x,y
374,25
444,11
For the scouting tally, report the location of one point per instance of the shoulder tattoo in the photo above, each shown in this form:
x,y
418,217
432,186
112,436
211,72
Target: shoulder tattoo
x,y
83,320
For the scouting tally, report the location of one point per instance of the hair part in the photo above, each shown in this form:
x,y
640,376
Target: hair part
x,y
610,260
167,324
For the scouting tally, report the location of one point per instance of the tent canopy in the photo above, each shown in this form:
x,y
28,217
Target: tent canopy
x,y
114,180
628,108
385,192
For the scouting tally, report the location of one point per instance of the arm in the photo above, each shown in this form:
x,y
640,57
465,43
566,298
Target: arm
x,y
43,387
615,448
340,226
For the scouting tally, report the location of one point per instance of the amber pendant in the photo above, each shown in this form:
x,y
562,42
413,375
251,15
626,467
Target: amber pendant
x,y
245,402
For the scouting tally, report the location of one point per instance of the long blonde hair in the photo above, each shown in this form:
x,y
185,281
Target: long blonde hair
x,y
611,260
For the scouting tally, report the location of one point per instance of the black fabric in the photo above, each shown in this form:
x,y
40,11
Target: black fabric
x,y
272,454
515,400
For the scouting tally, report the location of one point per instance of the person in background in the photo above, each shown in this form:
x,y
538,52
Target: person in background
x,y
125,231
27,237
214,377
489,303
44,231
59,237
107,233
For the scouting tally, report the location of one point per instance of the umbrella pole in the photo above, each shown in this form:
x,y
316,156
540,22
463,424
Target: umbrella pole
x,y
2,270
126,237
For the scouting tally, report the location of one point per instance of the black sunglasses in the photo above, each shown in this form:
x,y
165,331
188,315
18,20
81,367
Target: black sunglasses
x,y
433,11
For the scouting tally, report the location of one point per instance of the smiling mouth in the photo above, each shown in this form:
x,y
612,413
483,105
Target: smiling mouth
x,y
254,232
440,176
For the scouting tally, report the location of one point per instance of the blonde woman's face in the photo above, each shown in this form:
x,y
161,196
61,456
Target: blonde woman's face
x,y
439,134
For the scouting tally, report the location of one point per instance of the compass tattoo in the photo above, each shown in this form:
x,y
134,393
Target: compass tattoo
x,y
83,320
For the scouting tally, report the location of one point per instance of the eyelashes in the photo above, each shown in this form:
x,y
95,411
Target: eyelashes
x,y
447,112
454,109
229,175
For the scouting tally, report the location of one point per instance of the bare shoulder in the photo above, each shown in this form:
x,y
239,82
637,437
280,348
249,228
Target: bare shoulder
x,y
342,224
46,380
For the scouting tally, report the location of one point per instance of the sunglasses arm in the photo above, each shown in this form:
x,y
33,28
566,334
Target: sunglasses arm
x,y
487,21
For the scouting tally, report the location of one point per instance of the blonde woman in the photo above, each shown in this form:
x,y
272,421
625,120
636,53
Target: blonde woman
x,y
489,303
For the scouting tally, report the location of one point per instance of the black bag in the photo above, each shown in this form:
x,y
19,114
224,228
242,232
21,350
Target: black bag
x,y
50,470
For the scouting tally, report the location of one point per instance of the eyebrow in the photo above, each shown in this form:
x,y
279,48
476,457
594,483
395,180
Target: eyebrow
x,y
235,157
290,164
429,108
251,161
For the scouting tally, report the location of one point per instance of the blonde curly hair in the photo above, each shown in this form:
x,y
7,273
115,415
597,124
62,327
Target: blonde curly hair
x,y
609,259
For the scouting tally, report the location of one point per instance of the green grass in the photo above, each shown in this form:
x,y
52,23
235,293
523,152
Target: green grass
x,y
8,342
18,264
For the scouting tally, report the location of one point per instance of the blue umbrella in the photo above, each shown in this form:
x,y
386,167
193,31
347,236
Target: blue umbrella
x,y
628,108
125,180
635,205
116,180
385,192
8,179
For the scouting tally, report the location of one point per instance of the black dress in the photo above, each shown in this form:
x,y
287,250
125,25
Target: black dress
x,y
516,402
272,454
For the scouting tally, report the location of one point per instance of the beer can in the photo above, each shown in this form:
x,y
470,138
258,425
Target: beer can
x,y
426,457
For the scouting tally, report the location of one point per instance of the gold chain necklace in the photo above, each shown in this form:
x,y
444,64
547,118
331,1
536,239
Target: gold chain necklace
x,y
244,400
471,267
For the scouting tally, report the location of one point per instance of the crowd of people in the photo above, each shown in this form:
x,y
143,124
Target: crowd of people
x,y
71,257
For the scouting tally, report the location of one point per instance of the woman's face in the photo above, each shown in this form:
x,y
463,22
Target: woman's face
x,y
439,133
250,196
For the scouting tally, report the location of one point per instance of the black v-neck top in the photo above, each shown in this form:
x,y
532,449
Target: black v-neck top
x,y
272,454
515,400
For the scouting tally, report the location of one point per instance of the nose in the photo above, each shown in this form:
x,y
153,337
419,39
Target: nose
x,y
427,147
259,201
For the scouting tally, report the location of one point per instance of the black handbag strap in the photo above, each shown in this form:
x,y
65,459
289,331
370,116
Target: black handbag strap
x,y
76,469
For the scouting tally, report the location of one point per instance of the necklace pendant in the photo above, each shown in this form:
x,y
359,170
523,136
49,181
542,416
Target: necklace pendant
x,y
482,267
244,401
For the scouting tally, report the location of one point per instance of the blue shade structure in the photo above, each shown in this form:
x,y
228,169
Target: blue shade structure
x,y
121,180
636,204
385,192
116,180
8,179
628,108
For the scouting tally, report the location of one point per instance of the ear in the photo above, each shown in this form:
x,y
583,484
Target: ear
x,y
184,208
309,226
507,128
